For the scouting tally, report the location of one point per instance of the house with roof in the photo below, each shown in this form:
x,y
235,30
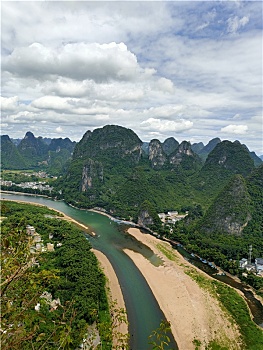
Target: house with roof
x,y
243,263
259,265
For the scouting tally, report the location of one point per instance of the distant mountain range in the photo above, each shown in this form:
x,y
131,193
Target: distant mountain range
x,y
34,153
112,168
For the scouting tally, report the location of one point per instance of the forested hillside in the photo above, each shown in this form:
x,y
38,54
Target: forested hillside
x,y
32,152
112,168
49,300
232,223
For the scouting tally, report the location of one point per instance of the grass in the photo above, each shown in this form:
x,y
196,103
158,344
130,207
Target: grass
x,y
167,252
236,307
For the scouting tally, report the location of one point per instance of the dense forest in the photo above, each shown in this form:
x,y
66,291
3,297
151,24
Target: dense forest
x,y
37,153
219,185
225,231
76,306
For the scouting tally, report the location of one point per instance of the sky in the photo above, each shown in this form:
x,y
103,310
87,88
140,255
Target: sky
x,y
187,69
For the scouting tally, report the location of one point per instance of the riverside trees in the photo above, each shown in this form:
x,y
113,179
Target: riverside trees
x,y
70,273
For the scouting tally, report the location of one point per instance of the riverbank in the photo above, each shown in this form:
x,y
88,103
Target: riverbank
x,y
115,296
100,212
194,314
25,193
62,217
114,290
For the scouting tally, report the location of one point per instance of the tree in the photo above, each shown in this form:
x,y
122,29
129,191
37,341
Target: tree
x,y
159,338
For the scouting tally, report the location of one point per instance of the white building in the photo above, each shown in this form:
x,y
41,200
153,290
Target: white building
x,y
243,263
259,265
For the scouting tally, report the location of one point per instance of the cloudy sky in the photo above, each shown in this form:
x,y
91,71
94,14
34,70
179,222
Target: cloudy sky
x,y
191,70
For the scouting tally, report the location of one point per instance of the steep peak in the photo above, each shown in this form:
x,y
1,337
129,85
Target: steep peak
x,y
231,156
185,147
111,141
86,135
5,138
170,145
157,155
29,135
197,147
209,147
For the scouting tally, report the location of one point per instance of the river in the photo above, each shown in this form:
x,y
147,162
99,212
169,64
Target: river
x,y
143,311
254,304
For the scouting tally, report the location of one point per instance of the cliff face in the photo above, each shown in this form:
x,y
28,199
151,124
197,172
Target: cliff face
x,y
157,156
148,216
184,149
230,211
145,219
91,172
100,156
184,157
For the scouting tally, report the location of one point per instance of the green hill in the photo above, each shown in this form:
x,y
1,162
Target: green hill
x,y
10,156
231,210
224,161
36,153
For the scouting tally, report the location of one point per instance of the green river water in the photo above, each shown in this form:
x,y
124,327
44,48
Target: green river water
x,y
143,311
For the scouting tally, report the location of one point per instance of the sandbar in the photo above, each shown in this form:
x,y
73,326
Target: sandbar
x,y
193,313
114,290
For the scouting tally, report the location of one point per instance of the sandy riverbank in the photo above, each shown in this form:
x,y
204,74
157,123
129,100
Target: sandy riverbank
x,y
100,212
114,289
193,312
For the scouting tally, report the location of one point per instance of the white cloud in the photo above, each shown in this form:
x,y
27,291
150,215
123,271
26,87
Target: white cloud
x,y
79,61
9,104
165,85
235,129
59,129
162,125
52,102
120,63
235,23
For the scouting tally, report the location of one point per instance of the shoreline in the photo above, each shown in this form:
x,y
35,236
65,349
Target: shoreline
x,y
25,193
192,311
115,293
147,269
63,217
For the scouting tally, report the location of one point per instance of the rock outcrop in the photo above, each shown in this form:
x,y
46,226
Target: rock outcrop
x,y
157,155
92,172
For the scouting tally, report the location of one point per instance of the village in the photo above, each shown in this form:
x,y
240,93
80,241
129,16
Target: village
x,y
37,242
171,217
34,185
